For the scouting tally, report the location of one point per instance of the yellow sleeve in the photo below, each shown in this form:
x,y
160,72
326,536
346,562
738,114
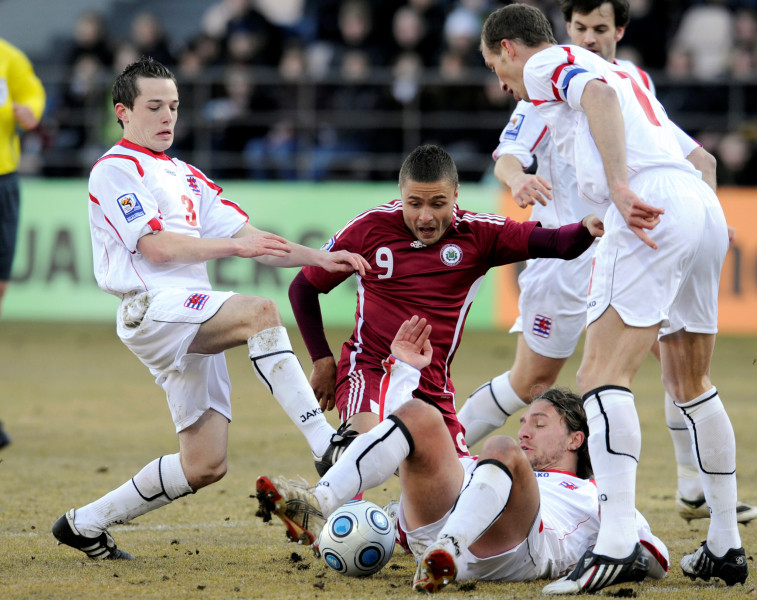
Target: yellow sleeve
x,y
24,85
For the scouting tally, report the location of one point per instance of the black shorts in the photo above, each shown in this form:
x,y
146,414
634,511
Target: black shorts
x,y
9,201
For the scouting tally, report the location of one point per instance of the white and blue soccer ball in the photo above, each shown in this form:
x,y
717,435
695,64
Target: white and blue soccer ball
x,y
357,539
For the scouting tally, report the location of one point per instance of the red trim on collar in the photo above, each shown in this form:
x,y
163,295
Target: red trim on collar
x,y
136,147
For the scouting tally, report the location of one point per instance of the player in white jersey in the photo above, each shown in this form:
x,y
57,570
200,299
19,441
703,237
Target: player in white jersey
x,y
552,299
155,221
655,275
523,509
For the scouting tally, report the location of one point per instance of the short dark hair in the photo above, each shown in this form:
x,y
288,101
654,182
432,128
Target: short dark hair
x,y
583,7
570,407
520,22
427,164
125,88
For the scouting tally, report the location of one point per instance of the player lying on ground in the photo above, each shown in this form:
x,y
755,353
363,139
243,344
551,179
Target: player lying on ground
x,y
524,509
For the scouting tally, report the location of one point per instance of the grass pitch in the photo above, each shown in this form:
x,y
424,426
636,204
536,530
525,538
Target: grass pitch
x,y
85,416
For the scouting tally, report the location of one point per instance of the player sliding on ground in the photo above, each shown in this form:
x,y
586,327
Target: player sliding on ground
x,y
524,509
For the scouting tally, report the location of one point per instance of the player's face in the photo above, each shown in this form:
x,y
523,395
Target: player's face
x,y
428,207
508,71
545,439
596,31
152,120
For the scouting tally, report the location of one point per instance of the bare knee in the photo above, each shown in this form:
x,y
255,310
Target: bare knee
x,y
261,313
422,420
200,475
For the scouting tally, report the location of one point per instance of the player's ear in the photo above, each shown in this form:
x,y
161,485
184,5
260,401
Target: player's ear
x,y
619,33
577,441
121,110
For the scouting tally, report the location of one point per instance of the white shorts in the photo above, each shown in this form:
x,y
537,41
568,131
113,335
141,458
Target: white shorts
x,y
676,285
527,561
552,304
158,327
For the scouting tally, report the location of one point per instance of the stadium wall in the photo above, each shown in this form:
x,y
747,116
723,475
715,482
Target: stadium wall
x,y
53,280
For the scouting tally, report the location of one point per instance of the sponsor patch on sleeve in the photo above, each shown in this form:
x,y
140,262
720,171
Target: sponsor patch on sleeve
x,y
513,127
131,207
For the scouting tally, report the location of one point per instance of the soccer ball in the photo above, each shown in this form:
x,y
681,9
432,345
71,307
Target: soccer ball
x,y
358,539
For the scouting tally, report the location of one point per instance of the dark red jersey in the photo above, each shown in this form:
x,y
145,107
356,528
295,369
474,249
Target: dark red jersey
x,y
438,282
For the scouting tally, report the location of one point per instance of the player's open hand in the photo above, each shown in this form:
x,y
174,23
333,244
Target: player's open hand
x,y
262,244
343,261
411,344
637,214
323,382
528,189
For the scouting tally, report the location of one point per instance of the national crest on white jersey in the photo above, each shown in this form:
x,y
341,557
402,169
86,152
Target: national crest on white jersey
x,y
193,185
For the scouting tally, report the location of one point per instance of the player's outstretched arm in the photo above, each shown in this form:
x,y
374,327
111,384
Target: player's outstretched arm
x,y
340,261
411,344
165,247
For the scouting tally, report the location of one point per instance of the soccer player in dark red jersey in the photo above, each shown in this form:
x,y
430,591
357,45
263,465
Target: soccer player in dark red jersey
x,y
428,258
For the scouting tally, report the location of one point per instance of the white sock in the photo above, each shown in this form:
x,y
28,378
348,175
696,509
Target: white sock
x,y
368,461
715,450
689,483
278,368
488,408
160,482
480,503
614,447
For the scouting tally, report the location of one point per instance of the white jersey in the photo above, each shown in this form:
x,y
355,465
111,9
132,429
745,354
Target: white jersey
x,y
134,192
565,527
525,136
555,79
569,517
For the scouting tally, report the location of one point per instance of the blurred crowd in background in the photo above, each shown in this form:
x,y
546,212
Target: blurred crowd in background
x,y
343,89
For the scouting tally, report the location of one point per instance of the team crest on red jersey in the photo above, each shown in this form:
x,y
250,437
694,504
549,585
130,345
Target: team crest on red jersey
x,y
451,255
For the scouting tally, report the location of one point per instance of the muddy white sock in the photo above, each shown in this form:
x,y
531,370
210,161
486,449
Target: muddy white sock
x,y
278,368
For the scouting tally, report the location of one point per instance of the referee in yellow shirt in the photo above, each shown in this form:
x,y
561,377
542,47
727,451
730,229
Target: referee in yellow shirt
x,y
22,100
